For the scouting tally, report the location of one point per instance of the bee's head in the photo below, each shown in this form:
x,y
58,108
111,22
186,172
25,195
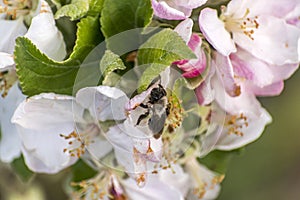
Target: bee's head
x,y
157,93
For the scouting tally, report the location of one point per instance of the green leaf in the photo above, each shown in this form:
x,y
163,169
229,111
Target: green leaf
x,y
110,62
76,10
38,73
82,171
118,16
159,52
21,169
219,161
95,7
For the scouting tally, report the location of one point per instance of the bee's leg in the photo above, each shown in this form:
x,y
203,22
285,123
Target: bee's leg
x,y
168,109
157,135
144,105
141,117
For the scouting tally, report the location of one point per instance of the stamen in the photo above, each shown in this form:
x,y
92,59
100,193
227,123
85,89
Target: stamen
x,y
235,123
175,112
7,80
245,25
15,8
79,141
104,186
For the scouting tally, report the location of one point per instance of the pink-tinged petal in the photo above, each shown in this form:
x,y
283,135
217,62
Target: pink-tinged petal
x,y
45,35
225,72
274,41
293,17
256,126
299,48
283,72
103,102
194,67
184,29
195,42
164,11
9,31
257,72
205,93
6,61
243,103
248,67
270,90
190,3
214,31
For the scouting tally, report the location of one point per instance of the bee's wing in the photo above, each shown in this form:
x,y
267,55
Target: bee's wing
x,y
157,120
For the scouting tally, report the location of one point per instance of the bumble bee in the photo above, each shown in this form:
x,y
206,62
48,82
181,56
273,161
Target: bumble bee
x,y
157,110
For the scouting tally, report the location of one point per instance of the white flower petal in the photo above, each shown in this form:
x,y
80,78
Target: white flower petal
x,y
47,111
45,35
43,151
154,189
6,61
99,148
202,177
182,182
190,3
10,144
214,31
165,11
41,120
184,29
123,147
9,31
103,102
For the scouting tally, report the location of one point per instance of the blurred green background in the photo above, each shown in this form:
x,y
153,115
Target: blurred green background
x,y
268,169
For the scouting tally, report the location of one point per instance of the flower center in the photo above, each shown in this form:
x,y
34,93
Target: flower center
x,y
235,123
201,183
16,8
79,141
104,186
246,25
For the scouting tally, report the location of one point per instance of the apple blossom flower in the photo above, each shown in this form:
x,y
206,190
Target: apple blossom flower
x,y
50,42
56,140
255,28
194,67
175,9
